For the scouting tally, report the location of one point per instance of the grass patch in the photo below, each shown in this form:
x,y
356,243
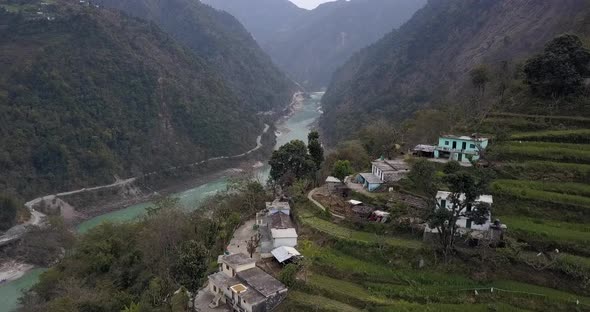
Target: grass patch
x,y
554,230
578,136
345,233
572,153
577,189
548,170
540,195
301,301
569,121
344,289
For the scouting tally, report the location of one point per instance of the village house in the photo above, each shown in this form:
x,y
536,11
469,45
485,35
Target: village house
x,y
443,201
460,148
243,286
383,171
275,227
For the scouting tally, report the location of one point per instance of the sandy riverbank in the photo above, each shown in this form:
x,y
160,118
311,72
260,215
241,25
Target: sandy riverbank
x,y
13,270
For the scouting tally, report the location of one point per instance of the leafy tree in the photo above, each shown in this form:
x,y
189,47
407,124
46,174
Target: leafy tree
x,y
465,188
315,148
423,175
191,265
452,167
288,275
8,211
290,162
560,69
342,168
379,138
180,301
353,151
480,76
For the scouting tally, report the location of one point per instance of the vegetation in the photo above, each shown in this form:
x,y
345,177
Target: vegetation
x,y
140,265
342,169
9,207
94,94
577,136
560,69
315,148
291,162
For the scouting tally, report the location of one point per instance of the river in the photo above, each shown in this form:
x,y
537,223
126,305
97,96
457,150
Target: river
x,y
294,127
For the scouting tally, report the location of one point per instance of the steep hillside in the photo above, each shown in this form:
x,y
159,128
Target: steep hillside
x,y
426,63
87,93
311,45
223,42
263,18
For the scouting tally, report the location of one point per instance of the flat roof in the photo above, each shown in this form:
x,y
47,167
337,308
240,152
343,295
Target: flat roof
x,y
278,205
263,282
425,148
223,280
237,259
371,178
382,165
283,233
482,198
462,137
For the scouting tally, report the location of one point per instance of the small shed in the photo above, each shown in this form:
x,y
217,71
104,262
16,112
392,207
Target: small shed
x,y
423,150
379,216
362,211
354,202
285,253
332,183
369,181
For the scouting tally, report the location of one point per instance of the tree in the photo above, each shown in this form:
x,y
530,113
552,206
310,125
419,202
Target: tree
x,y
8,210
180,300
423,176
290,162
342,168
379,138
315,148
289,274
252,244
452,167
191,264
560,69
465,189
480,77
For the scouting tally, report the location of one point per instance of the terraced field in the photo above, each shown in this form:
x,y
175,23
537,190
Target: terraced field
x,y
351,278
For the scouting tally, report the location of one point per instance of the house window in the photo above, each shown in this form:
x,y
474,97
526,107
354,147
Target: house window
x,y
227,267
471,145
443,203
214,289
446,142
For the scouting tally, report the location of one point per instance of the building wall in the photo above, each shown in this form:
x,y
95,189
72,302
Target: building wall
x,y
288,241
471,145
462,222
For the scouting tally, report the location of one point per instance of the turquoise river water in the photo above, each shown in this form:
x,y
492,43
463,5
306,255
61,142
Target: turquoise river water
x,y
297,126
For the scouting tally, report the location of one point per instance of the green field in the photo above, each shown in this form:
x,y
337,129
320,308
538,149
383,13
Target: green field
x,y
578,136
569,188
547,171
525,151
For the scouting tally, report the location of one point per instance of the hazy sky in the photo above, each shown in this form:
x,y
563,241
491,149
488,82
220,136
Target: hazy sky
x,y
309,4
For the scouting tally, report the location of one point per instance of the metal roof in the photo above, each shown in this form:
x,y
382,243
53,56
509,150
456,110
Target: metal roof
x,y
332,179
371,178
283,233
355,202
425,148
284,253
281,220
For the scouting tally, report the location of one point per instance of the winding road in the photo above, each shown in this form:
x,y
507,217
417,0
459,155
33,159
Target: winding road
x,y
37,218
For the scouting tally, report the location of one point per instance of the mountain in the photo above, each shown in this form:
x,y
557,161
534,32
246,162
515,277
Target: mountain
x,y
223,42
428,60
88,93
311,45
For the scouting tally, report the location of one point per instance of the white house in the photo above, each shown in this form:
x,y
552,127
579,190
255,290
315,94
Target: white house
x,y
243,286
275,228
443,201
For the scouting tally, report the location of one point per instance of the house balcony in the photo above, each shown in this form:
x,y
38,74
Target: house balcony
x,y
457,150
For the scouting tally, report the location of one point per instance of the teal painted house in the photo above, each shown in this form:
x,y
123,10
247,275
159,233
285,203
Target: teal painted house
x,y
460,148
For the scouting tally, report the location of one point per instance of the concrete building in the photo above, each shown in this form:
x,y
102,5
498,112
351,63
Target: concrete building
x,y
460,148
243,286
443,201
275,227
383,171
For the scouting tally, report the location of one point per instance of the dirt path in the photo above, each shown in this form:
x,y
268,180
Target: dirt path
x,y
310,197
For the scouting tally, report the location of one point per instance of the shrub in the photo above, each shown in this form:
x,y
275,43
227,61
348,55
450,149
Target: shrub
x,y
452,167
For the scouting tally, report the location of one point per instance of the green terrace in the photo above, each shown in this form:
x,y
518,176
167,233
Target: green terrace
x,y
579,136
525,151
547,171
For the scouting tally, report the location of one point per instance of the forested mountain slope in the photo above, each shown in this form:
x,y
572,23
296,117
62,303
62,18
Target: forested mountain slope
x,y
89,93
427,62
311,45
223,42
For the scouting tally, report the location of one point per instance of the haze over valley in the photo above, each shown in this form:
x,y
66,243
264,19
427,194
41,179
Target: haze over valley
x,y
305,155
